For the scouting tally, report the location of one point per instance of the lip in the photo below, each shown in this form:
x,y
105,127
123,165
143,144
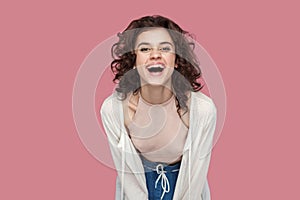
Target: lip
x,y
156,73
157,63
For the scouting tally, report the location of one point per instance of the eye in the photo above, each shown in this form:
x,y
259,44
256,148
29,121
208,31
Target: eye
x,y
165,49
145,49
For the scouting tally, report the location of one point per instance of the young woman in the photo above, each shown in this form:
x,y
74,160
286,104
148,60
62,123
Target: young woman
x,y
159,125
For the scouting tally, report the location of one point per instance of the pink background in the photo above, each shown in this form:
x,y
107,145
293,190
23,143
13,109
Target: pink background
x,y
255,44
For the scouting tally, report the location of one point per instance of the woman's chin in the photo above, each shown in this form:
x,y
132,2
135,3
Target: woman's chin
x,y
157,83
157,78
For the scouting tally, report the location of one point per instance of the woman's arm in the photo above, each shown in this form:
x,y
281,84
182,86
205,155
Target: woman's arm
x,y
128,185
203,148
203,127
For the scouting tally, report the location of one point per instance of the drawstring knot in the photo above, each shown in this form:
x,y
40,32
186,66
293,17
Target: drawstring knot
x,y
164,179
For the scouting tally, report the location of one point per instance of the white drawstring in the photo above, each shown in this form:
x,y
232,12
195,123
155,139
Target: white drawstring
x,y
164,179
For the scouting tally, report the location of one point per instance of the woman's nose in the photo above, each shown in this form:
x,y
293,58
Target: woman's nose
x,y
155,53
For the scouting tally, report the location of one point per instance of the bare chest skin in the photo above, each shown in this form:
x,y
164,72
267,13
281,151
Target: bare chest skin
x,y
130,106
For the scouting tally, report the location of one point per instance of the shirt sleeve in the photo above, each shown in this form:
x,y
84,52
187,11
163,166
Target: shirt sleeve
x,y
127,185
112,131
202,146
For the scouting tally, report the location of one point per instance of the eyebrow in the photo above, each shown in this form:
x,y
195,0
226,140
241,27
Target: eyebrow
x,y
161,43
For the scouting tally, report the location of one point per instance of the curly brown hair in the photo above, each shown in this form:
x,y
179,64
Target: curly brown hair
x,y
185,76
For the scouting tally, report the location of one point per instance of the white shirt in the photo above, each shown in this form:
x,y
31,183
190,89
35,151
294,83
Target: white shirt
x,y
192,178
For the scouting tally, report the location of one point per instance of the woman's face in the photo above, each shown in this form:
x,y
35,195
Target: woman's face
x,y
155,57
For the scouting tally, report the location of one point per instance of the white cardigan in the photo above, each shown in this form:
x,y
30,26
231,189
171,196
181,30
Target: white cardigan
x,y
192,178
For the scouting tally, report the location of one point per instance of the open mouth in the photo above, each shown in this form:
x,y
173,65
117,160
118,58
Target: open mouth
x,y
155,68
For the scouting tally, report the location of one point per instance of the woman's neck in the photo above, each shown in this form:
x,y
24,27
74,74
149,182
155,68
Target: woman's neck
x,y
156,94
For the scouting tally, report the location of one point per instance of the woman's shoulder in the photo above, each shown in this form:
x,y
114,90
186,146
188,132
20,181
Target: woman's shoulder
x,y
110,104
202,101
114,97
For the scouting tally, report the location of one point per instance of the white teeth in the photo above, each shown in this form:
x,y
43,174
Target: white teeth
x,y
152,66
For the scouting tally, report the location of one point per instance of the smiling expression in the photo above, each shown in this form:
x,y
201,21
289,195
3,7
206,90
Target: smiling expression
x,y
155,57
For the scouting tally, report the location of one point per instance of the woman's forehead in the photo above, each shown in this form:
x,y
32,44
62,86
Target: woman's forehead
x,y
154,36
